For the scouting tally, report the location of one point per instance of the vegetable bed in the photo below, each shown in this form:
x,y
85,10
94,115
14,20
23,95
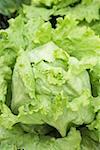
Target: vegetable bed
x,y
50,75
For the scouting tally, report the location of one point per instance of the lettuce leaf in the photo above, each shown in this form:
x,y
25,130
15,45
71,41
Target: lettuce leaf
x,y
87,142
77,41
95,125
88,10
7,60
22,29
8,7
96,27
54,2
17,139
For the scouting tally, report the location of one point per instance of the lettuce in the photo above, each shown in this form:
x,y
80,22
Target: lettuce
x,y
50,91
50,75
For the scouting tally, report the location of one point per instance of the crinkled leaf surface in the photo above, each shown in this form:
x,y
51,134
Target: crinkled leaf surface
x,y
50,89
17,139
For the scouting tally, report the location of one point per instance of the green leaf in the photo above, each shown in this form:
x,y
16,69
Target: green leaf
x,y
7,60
77,41
87,142
96,27
85,10
54,2
17,139
7,7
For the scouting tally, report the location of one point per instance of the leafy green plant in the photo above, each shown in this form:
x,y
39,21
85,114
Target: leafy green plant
x,y
50,75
